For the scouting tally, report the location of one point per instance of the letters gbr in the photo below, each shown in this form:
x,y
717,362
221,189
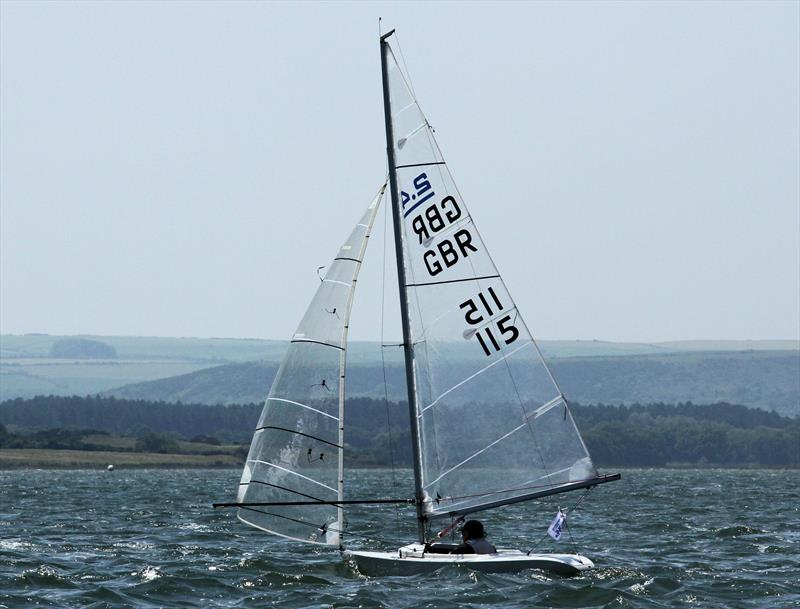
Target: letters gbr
x,y
447,252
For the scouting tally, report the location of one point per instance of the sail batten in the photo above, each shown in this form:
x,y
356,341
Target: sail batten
x,y
298,443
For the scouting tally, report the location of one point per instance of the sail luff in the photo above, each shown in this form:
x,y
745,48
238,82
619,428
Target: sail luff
x,y
343,363
408,348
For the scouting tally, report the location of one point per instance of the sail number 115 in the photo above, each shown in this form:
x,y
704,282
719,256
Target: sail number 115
x,y
475,314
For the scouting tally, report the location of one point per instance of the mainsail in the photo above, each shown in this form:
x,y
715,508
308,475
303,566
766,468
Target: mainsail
x,y
297,449
474,451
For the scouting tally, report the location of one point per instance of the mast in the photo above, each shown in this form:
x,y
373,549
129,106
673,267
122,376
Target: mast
x,y
408,347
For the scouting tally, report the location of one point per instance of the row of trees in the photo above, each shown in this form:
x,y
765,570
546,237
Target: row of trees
x,y
378,432
84,439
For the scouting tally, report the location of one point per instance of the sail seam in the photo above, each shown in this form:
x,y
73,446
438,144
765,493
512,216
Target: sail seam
x,y
283,488
347,285
470,458
316,342
417,285
330,416
472,376
547,475
303,522
300,433
421,164
544,407
288,471
346,258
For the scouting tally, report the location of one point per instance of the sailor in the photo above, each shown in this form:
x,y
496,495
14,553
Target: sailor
x,y
474,542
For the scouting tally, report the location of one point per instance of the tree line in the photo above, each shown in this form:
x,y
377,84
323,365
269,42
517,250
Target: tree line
x,y
377,432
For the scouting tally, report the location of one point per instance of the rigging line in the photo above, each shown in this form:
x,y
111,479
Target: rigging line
x,y
289,471
405,69
244,504
566,520
299,433
330,416
527,420
515,489
472,376
383,363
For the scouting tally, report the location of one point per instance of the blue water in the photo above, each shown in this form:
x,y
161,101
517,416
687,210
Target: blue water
x,y
143,539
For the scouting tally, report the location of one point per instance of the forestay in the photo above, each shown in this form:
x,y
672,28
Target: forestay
x,y
476,451
296,453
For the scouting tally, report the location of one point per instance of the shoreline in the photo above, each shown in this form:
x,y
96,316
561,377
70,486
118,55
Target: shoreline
x,y
62,459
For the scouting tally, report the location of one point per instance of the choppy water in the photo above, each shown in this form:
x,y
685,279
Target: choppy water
x,y
145,539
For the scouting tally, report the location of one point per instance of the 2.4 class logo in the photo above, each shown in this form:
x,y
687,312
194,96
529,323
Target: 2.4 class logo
x,y
434,218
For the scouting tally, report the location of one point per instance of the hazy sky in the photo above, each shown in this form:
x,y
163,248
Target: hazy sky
x,y
182,169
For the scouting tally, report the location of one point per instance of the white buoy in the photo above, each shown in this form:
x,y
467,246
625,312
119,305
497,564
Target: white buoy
x,y
110,468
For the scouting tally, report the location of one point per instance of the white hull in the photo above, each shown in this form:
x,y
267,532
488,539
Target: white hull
x,y
411,560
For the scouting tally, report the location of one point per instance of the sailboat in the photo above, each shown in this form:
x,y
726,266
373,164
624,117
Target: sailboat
x,y
469,454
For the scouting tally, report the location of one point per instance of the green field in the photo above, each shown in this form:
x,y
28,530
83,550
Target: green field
x,y
35,458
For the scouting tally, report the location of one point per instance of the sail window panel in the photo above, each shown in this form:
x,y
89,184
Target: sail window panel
x,y
530,457
291,456
351,248
273,484
309,375
563,447
282,463
413,142
471,417
293,429
325,317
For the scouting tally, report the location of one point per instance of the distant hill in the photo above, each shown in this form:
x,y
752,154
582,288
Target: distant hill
x,y
764,374
229,350
760,379
82,348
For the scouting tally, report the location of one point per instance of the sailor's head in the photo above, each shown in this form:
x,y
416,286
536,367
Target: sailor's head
x,y
473,529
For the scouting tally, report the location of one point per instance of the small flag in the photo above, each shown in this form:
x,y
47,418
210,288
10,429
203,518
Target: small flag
x,y
555,528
